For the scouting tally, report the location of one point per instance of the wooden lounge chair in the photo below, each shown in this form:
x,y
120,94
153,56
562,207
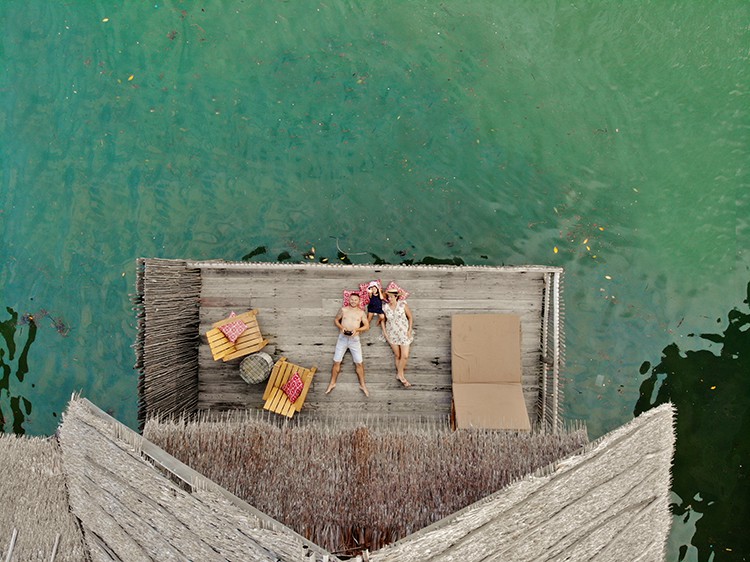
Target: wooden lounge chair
x,y
250,341
276,400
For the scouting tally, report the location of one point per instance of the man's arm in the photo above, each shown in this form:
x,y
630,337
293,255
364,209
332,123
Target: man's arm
x,y
337,320
365,324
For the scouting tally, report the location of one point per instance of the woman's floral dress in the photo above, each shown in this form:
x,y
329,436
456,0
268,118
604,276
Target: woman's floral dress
x,y
397,324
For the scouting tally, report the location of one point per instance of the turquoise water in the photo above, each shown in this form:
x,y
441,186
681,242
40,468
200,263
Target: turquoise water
x,y
491,132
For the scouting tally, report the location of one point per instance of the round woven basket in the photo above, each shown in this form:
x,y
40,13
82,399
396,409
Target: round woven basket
x,y
256,368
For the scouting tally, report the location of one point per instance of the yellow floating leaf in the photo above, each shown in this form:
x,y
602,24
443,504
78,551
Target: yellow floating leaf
x,y
713,388
131,77
588,248
555,249
601,228
585,241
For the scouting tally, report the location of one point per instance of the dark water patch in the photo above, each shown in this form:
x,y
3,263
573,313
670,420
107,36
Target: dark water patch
x,y
19,406
712,456
429,260
344,257
259,251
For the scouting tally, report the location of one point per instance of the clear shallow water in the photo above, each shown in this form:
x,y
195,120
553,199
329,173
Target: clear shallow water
x,y
491,132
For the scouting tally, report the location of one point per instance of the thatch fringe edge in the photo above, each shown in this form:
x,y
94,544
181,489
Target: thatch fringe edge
x,y
221,264
166,305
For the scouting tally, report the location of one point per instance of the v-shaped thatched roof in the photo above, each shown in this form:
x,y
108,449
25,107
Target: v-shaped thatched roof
x,y
135,502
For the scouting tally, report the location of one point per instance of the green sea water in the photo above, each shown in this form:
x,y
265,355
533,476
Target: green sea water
x,y
609,138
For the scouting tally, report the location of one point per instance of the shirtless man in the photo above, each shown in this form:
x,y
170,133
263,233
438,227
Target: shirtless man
x,y
351,321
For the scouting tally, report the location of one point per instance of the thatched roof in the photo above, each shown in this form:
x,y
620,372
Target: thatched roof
x,y
34,501
610,503
351,487
130,510
135,502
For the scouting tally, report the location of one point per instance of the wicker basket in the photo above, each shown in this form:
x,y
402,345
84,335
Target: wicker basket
x,y
256,368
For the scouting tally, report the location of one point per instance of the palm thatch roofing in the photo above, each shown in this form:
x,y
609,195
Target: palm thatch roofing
x,y
610,503
34,502
130,509
133,501
352,487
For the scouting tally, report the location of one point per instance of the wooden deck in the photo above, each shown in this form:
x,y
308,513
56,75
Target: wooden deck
x,y
297,304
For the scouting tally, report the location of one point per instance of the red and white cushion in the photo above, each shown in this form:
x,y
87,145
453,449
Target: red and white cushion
x,y
348,293
293,387
233,330
402,293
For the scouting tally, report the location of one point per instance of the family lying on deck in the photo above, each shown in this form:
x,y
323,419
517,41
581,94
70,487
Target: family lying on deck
x,y
394,318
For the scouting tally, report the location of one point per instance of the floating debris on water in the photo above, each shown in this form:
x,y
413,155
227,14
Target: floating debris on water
x,y
59,323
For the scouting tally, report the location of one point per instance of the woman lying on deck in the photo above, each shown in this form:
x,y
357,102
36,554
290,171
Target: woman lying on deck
x,y
397,330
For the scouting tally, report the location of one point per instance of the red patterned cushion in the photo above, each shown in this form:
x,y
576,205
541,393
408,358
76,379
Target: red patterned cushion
x,y
293,387
362,303
364,296
233,330
402,294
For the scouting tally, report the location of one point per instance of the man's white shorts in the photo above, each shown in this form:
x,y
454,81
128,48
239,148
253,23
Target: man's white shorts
x,y
352,344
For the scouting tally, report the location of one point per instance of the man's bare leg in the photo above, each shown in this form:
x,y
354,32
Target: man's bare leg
x,y
360,368
334,375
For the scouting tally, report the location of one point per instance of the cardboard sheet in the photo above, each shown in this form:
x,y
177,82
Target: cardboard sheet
x,y
486,369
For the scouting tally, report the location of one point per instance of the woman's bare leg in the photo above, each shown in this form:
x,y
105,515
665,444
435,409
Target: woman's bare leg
x,y
396,356
404,356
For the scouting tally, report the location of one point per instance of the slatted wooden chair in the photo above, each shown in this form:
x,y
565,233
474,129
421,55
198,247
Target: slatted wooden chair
x,y
276,400
250,341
